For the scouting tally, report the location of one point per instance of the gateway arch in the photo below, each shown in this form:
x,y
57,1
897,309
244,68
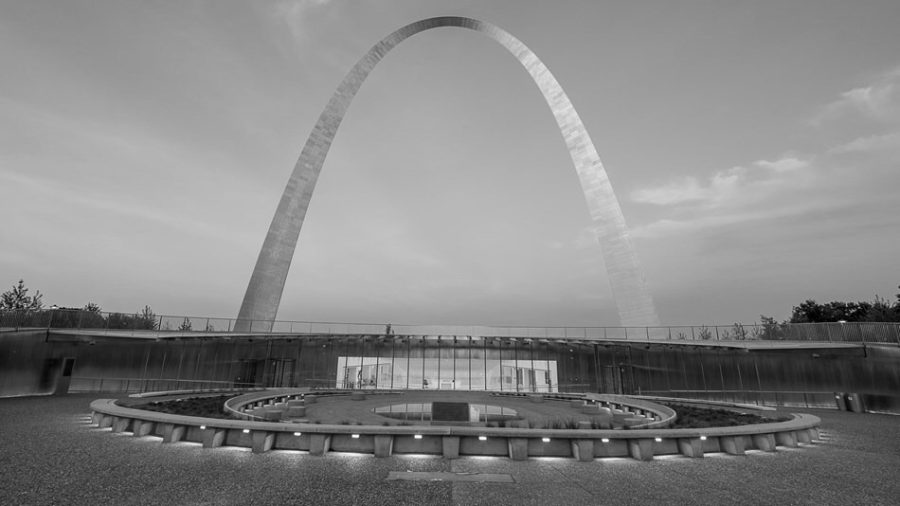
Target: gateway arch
x,y
629,289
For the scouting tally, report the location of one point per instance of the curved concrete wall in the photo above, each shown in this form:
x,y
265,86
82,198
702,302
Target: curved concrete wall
x,y
453,441
263,296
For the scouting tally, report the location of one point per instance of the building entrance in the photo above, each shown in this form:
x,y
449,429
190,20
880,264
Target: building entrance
x,y
418,373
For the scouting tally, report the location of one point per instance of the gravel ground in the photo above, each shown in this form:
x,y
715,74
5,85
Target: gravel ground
x,y
49,454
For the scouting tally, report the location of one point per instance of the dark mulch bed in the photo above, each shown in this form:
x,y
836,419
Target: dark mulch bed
x,y
206,407
692,417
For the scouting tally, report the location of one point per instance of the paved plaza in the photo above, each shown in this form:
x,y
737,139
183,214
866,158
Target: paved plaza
x,y
50,454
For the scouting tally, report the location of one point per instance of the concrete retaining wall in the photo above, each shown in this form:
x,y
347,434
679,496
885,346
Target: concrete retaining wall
x,y
453,441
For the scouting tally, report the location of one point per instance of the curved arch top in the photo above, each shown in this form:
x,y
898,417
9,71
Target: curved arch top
x,y
263,296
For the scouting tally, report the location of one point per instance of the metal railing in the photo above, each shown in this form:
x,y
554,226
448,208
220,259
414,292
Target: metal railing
x,y
84,384
784,398
167,325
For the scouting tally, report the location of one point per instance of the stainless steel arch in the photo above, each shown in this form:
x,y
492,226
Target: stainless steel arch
x,y
629,289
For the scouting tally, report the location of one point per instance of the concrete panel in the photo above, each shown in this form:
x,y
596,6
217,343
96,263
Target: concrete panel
x,y
518,448
611,448
172,433
290,441
582,449
764,442
120,424
237,437
319,444
786,439
384,445
733,445
142,428
450,447
347,443
556,447
213,438
691,447
641,449
428,444
262,441
668,446
471,445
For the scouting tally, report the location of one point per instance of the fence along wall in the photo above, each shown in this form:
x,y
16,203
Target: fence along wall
x,y
32,362
168,326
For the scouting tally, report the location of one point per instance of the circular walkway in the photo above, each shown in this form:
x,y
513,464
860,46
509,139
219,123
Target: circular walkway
x,y
52,455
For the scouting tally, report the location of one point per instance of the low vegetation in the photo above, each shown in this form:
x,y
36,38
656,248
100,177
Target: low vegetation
x,y
692,417
205,407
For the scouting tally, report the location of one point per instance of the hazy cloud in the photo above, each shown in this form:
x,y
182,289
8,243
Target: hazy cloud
x,y
783,164
878,101
889,142
722,187
792,184
295,14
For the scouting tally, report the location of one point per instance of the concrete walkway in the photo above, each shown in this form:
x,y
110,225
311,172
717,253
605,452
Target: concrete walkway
x,y
49,454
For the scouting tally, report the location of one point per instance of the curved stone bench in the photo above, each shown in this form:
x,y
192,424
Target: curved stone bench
x,y
260,405
455,441
656,415
211,391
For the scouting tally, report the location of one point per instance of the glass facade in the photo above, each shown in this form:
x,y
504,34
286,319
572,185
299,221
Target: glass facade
x,y
452,369
33,362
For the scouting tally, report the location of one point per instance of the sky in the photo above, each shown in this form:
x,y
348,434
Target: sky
x,y
754,148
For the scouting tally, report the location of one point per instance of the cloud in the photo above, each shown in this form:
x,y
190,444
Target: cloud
x,y
855,176
762,190
888,142
878,101
295,14
121,205
677,192
722,186
783,164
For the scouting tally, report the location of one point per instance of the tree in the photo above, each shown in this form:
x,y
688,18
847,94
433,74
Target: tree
x,y
18,298
812,312
146,320
90,307
186,325
879,310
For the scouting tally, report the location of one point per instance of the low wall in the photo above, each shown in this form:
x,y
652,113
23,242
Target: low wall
x,y
454,441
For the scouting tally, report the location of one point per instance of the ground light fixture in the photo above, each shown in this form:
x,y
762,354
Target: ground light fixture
x,y
354,436
482,438
545,439
418,436
246,431
702,438
659,440
298,433
605,440
203,427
